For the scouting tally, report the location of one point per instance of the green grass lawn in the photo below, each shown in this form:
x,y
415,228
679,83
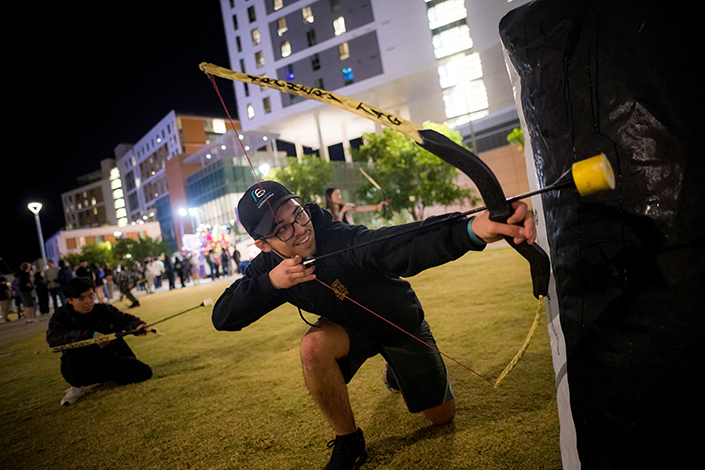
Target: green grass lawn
x,y
221,400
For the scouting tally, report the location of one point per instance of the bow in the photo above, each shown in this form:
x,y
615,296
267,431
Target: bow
x,y
120,334
97,340
434,142
379,188
493,195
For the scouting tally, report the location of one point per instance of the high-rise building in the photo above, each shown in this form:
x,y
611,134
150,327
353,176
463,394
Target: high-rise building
x,y
143,165
433,60
97,199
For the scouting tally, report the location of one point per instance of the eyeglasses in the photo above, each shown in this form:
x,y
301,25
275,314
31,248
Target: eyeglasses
x,y
285,232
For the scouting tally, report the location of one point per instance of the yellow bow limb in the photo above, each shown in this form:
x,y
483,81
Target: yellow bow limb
x,y
384,118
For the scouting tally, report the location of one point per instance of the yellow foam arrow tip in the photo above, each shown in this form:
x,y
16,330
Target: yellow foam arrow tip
x,y
593,175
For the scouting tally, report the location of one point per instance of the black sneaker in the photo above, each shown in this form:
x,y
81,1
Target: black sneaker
x,y
389,380
349,452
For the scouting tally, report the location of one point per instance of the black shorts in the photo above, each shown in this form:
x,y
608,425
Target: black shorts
x,y
420,372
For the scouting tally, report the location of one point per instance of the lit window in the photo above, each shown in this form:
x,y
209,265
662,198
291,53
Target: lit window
x,y
286,49
447,12
307,14
452,41
281,26
348,75
267,105
259,59
467,98
339,26
343,51
278,4
219,126
256,38
460,68
250,111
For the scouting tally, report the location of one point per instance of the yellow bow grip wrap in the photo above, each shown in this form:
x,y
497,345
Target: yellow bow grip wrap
x,y
593,175
407,128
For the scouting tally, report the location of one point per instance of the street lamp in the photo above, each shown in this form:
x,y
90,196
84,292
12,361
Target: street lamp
x,y
35,207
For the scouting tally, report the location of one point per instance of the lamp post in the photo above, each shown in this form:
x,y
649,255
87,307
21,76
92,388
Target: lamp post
x,y
35,207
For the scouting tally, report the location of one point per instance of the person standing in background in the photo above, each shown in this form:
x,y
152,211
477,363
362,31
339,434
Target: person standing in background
x,y
42,292
170,273
98,278
195,267
343,211
55,291
5,299
26,287
83,270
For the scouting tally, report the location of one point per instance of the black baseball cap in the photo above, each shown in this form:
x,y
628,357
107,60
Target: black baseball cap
x,y
258,205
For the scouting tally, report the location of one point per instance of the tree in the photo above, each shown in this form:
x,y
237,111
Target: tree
x,y
412,177
307,178
126,250
100,253
516,137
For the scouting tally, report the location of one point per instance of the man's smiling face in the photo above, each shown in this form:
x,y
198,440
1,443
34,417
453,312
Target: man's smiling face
x,y
302,241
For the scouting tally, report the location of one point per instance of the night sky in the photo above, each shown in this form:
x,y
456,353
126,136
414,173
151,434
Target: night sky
x,y
80,81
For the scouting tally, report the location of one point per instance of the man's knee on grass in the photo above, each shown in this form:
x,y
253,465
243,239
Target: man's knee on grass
x,y
442,414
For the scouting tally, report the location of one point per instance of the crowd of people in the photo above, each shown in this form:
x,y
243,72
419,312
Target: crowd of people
x,y
35,292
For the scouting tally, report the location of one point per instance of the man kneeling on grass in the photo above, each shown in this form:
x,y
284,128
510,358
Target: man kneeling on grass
x,y
347,335
83,319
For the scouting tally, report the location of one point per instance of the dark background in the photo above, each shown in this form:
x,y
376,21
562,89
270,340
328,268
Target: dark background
x,y
80,81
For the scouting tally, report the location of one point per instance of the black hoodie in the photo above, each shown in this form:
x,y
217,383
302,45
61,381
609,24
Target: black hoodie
x,y
369,275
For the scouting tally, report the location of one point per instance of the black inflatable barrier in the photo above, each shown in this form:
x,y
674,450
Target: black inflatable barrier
x,y
621,77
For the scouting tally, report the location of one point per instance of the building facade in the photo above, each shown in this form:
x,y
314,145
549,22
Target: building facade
x,y
153,173
143,165
433,60
96,201
65,242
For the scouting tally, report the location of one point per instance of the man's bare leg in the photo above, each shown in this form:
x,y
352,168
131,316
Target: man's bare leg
x,y
320,349
441,414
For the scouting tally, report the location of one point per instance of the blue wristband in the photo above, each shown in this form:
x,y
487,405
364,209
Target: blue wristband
x,y
95,334
474,238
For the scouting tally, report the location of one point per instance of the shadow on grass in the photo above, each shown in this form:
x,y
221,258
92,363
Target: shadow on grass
x,y
383,451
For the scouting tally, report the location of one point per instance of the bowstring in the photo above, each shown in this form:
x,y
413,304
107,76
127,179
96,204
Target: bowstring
x,y
232,123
